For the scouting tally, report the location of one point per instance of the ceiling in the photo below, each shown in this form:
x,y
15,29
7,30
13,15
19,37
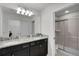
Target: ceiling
x,y
71,8
34,6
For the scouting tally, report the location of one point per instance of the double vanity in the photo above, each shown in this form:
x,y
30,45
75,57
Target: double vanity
x,y
25,46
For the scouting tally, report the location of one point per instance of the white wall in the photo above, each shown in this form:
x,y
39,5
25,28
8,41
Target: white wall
x,y
48,25
1,21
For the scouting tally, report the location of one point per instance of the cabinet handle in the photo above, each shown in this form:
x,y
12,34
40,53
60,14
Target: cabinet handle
x,y
25,46
32,44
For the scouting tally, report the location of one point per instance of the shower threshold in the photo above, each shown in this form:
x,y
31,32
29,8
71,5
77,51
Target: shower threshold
x,y
61,52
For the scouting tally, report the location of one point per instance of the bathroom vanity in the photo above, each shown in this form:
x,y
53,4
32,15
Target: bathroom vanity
x,y
30,46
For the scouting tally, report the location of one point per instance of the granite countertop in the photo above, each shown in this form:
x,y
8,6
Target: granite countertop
x,y
21,40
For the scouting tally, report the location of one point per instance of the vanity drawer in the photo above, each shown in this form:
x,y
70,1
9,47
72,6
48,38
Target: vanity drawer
x,y
41,41
38,42
21,46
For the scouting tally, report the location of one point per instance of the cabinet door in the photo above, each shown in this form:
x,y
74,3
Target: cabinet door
x,y
45,46
21,50
36,50
43,49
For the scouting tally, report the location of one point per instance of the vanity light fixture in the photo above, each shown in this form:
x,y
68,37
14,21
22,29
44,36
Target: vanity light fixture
x,y
22,11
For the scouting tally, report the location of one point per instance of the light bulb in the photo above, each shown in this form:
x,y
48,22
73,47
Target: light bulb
x,y
18,10
22,11
31,13
66,11
27,12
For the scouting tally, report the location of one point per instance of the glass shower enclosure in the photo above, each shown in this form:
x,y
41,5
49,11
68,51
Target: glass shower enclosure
x,y
67,32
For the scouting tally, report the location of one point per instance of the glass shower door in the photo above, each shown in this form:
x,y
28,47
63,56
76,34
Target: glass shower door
x,y
70,38
60,34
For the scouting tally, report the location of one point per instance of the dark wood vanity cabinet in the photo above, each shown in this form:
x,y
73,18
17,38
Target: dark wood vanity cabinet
x,y
35,48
